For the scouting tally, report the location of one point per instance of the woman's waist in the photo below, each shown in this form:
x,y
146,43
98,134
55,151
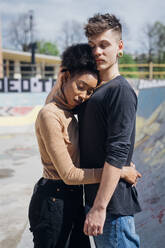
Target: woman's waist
x,y
52,186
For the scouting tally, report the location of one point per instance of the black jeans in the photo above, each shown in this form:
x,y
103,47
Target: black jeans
x,y
56,215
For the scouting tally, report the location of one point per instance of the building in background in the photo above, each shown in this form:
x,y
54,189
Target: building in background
x,y
17,64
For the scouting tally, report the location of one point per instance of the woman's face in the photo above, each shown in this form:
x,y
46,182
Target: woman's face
x,y
79,88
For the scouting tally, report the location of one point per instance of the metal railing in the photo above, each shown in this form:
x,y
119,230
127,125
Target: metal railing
x,y
29,70
149,71
140,71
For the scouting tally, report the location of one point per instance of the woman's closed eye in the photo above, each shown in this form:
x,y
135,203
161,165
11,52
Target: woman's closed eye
x,y
80,86
90,92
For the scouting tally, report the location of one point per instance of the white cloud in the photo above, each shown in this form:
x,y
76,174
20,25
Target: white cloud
x,y
50,14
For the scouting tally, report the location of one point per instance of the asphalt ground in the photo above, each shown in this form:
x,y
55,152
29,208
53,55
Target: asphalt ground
x,y
20,167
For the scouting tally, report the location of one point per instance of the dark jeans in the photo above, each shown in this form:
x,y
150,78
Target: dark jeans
x,y
56,215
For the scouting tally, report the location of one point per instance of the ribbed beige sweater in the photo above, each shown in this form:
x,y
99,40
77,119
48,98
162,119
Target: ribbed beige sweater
x,y
57,135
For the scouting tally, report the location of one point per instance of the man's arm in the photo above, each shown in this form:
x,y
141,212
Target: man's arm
x,y
96,217
110,177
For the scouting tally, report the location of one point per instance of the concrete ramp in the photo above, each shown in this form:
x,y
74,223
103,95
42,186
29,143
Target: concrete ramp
x,y
149,157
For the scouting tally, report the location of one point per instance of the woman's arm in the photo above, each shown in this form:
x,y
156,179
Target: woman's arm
x,y
51,132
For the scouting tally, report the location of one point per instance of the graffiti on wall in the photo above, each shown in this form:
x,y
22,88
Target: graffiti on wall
x,y
26,85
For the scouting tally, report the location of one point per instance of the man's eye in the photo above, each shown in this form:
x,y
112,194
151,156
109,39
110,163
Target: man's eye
x,y
103,46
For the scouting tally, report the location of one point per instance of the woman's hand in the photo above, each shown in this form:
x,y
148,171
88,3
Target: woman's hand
x,y
130,174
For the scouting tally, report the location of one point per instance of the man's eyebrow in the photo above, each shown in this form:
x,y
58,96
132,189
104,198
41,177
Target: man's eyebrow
x,y
101,41
104,40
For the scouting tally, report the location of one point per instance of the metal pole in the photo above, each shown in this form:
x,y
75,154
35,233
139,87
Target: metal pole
x,y
150,70
32,43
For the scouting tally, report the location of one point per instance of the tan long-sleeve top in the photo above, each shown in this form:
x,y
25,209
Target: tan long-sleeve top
x,y
57,135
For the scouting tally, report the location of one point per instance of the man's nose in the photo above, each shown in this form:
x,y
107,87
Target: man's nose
x,y
97,51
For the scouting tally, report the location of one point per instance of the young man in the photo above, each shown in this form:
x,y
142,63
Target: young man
x,y
107,134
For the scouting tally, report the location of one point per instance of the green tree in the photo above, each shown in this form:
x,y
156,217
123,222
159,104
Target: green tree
x,y
160,41
131,68
47,47
154,42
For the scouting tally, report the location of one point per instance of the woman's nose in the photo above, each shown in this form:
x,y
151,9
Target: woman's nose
x,y
83,95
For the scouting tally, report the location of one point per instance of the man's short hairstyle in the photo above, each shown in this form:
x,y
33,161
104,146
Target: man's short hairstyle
x,y
79,59
102,22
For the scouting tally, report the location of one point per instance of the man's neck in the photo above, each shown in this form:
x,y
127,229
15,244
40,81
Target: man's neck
x,y
110,73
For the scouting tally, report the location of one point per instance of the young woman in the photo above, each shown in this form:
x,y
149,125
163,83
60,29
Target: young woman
x,y
56,212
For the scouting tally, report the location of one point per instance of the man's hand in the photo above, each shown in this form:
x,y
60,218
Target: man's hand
x,y
94,222
96,217
130,174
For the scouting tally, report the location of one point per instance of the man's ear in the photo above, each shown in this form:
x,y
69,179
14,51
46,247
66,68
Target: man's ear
x,y
121,45
65,77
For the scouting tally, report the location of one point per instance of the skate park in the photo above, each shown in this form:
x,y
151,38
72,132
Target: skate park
x,y
27,75
21,166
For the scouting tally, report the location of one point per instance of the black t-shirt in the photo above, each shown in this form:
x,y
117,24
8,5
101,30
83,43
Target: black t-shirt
x,y
107,133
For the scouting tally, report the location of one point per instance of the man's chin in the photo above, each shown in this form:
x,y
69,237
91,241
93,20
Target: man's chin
x,y
101,67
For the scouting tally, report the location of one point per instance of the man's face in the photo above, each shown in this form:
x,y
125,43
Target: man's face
x,y
105,48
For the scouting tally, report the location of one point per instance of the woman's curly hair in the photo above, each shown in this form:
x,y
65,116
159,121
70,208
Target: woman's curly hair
x,y
79,59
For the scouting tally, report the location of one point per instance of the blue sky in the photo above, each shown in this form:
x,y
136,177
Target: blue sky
x,y
50,15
